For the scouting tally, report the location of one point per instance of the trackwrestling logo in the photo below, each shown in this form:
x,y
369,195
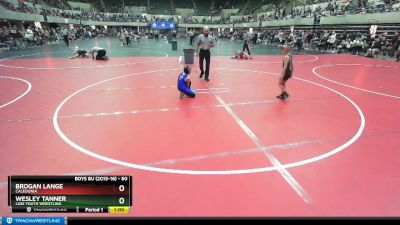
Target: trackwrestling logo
x,y
33,220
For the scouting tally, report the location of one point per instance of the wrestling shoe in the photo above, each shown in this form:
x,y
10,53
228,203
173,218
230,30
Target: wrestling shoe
x,y
285,95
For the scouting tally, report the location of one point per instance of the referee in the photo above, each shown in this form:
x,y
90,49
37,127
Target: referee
x,y
246,39
204,43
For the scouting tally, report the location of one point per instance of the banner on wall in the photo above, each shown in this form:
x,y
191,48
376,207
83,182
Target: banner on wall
x,y
163,25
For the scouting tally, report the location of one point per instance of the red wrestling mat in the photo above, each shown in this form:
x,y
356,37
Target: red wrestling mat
x,y
331,149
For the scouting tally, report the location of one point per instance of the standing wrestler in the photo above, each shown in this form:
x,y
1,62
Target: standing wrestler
x,y
286,73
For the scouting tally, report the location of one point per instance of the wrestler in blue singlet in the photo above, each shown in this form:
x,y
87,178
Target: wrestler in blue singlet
x,y
183,87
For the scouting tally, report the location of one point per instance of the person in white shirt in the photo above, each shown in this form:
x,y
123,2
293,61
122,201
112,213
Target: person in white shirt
x,y
122,38
246,39
29,34
65,33
204,43
127,37
332,40
191,37
99,52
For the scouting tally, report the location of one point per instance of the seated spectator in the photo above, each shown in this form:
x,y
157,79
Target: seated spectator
x,y
374,49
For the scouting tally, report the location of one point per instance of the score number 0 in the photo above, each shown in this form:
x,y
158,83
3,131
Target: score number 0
x,y
121,188
121,200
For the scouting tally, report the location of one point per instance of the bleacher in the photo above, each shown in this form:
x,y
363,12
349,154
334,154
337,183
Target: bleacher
x,y
160,7
240,5
339,29
184,4
14,5
9,3
258,5
203,8
136,2
237,4
59,4
210,8
79,5
249,7
382,28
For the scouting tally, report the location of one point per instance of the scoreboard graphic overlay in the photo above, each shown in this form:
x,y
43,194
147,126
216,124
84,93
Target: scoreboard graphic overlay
x,y
70,194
